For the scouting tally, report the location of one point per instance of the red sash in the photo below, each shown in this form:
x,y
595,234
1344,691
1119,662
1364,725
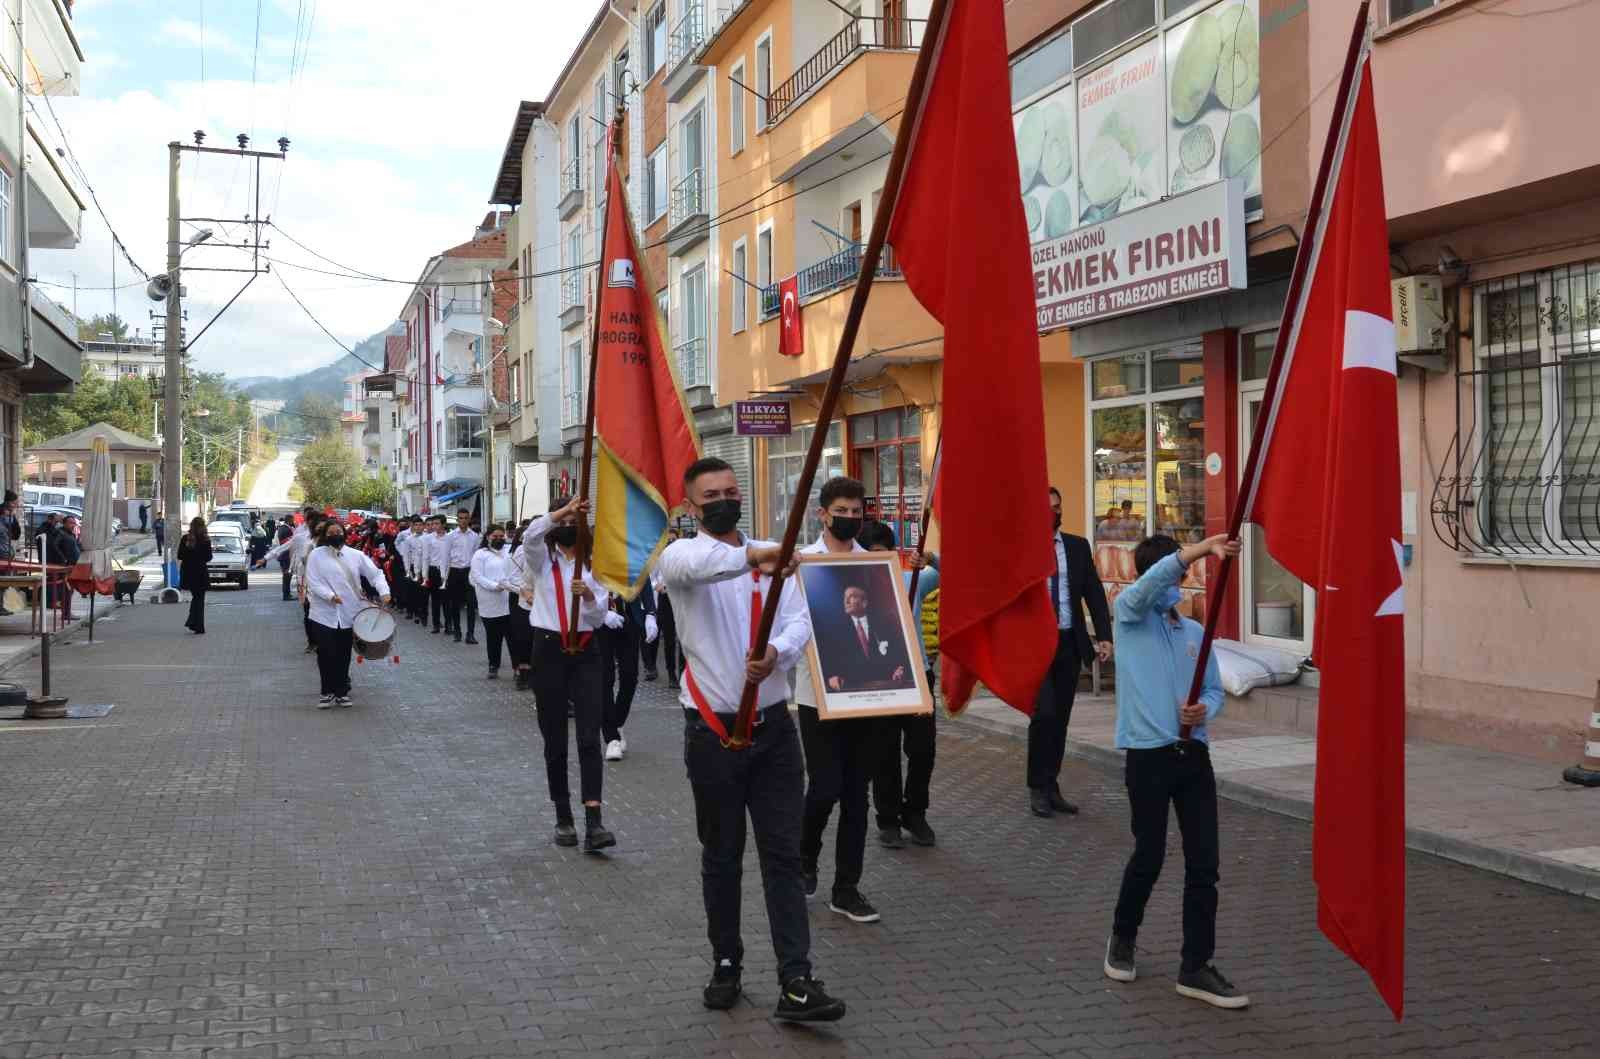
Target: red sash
x,y
707,714
561,604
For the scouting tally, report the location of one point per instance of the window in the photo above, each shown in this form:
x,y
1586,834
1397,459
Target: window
x,y
655,184
655,39
736,84
572,385
1042,68
571,179
764,257
1110,25
619,78
1399,9
763,79
600,132
468,425
5,216
785,458
661,304
738,292
886,455
691,347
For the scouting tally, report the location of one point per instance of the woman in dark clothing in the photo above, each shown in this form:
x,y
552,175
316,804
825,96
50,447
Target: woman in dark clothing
x,y
194,552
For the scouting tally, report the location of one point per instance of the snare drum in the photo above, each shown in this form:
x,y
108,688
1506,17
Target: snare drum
x,y
374,632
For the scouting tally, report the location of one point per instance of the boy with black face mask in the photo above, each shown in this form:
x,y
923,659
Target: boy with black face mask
x,y
333,590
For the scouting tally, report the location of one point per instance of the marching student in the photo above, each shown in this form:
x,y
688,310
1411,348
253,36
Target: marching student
x,y
417,568
469,603
1156,652
333,587
493,580
630,624
434,561
298,548
402,573
562,677
460,543
519,629
718,580
841,756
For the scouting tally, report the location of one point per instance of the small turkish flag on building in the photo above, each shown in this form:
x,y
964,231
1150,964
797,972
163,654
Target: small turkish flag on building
x,y
791,337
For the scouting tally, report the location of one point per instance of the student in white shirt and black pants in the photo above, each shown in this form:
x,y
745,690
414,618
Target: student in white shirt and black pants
x,y
433,559
460,543
560,677
333,587
494,578
717,583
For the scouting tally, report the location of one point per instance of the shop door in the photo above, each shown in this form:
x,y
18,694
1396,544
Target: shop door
x,y
886,456
1279,610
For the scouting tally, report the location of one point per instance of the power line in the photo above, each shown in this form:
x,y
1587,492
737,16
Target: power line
x,y
313,318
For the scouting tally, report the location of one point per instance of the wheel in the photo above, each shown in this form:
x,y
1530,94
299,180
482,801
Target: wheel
x,y
244,582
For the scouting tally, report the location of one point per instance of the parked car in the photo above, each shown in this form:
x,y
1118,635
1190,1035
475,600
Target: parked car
x,y
35,495
233,518
230,553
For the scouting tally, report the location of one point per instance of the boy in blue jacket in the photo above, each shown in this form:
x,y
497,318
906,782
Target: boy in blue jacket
x,y
1156,653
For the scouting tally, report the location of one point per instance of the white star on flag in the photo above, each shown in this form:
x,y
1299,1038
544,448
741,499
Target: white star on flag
x,y
1396,603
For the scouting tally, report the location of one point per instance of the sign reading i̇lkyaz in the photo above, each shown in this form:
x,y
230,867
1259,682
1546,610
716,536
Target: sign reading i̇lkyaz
x,y
767,419
1185,247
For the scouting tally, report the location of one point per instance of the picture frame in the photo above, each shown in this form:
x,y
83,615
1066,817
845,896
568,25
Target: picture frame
x,y
886,676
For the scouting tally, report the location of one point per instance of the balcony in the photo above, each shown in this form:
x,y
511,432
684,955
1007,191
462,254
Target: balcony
x,y
687,221
571,411
829,274
53,49
571,188
858,35
693,368
464,306
58,355
572,298
683,43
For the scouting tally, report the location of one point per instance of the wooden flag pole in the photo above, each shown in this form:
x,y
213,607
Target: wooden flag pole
x,y
1291,306
581,545
927,514
745,722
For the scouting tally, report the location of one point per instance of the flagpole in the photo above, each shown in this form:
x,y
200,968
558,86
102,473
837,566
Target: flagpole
x,y
740,736
1291,306
927,514
581,545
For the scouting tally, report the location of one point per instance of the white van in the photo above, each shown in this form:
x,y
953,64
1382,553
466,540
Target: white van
x,y
35,495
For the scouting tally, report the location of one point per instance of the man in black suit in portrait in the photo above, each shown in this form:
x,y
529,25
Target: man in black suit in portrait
x,y
1075,582
864,649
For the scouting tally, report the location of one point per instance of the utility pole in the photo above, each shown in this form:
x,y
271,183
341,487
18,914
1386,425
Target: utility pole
x,y
172,436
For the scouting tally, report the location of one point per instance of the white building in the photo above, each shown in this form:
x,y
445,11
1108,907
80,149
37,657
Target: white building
x,y
135,358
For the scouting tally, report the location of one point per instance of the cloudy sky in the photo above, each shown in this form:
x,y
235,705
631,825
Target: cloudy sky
x,y
398,112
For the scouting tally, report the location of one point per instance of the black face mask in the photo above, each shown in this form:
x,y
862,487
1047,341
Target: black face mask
x,y
336,541
1055,523
843,528
719,516
497,543
565,536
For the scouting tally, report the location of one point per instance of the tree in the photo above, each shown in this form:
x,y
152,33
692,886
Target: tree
x,y
96,328
329,473
318,416
374,493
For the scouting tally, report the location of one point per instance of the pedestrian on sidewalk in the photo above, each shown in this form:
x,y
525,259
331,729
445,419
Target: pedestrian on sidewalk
x,y
160,529
628,626
841,755
1076,582
493,580
563,676
901,809
194,553
333,586
1157,649
717,580
144,518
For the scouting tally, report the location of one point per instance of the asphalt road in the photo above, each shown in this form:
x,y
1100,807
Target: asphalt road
x,y
271,487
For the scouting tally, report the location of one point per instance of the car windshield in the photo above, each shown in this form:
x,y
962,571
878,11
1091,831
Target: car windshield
x,y
227,542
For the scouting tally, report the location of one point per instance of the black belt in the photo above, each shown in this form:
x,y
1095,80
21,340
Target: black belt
x,y
729,718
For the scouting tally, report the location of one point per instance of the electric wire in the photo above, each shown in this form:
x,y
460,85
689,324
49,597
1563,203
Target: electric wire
x,y
313,318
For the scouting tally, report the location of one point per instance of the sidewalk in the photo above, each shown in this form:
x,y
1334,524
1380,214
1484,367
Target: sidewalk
x,y
18,642
1504,814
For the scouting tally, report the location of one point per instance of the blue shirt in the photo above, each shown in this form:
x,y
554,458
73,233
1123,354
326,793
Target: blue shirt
x,y
925,584
1155,663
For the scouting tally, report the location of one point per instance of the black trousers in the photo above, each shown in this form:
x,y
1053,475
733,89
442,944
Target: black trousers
x,y
619,666
1155,778
766,780
494,633
668,627
470,610
197,610
287,576
897,804
455,594
311,630
519,634
559,679
333,658
1047,731
436,592
841,759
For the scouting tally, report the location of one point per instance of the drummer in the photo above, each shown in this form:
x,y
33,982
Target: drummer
x,y
333,589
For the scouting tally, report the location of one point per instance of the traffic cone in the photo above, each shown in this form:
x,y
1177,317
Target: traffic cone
x,y
1587,771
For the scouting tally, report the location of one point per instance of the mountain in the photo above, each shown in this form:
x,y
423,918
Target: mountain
x,y
326,381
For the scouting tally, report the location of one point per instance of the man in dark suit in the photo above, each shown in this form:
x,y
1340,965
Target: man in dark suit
x,y
864,648
1075,583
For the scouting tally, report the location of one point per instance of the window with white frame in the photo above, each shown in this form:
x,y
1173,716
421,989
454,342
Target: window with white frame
x,y
5,216
572,385
661,304
600,132
655,39
691,346
655,184
739,292
736,83
1399,9
763,79
764,278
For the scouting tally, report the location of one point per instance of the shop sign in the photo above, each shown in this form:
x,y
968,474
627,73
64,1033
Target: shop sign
x,y
1187,247
761,419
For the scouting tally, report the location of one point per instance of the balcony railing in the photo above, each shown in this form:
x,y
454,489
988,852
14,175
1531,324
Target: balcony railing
x,y
688,197
572,290
859,34
571,409
693,370
571,177
837,270
688,34
469,306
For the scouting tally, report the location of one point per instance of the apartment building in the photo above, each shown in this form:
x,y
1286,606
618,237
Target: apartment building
x,y
129,358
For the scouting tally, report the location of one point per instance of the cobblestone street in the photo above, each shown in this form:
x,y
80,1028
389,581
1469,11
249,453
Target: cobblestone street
x,y
215,865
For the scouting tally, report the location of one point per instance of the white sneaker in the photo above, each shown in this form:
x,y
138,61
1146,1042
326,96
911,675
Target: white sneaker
x,y
614,750
325,703
622,739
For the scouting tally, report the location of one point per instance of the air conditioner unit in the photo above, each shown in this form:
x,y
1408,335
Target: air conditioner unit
x,y
1419,321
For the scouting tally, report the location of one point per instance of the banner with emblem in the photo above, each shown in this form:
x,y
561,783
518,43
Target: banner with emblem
x,y
644,434
791,336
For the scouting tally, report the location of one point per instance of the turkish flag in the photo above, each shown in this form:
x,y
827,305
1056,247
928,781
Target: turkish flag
x,y
969,266
1328,497
791,336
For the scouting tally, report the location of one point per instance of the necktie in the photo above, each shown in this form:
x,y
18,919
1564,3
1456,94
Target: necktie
x,y
861,637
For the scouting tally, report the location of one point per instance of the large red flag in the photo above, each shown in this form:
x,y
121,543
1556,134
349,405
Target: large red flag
x,y
1328,497
961,239
791,336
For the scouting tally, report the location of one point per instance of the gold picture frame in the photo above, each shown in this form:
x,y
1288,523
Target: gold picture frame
x,y
862,668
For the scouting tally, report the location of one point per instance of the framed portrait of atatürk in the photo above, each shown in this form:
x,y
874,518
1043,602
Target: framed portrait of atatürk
x,y
865,653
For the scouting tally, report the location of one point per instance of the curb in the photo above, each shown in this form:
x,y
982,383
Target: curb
x,y
1526,867
27,654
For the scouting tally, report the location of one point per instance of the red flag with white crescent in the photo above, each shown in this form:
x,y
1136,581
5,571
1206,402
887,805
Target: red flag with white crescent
x,y
791,336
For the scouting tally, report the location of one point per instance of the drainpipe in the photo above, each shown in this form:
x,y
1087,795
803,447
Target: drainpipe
x,y
23,293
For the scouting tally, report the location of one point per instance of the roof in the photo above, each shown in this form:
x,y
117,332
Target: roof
x,y
508,181
82,440
491,246
577,53
394,352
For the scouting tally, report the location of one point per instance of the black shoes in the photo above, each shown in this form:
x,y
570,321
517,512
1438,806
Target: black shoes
x,y
804,1000
457,638
566,834
808,880
1039,803
891,838
1207,984
854,907
470,639
1061,805
921,834
650,675
722,992
494,673
1119,965
595,835
436,630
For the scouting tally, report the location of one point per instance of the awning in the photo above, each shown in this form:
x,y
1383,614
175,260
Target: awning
x,y
455,489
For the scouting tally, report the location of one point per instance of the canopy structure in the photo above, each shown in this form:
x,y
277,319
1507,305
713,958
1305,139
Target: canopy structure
x,y
126,452
455,489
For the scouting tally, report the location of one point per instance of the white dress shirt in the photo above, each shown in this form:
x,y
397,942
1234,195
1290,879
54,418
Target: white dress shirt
x,y
298,546
1063,600
329,574
549,612
434,552
460,544
805,692
519,580
402,548
711,586
493,577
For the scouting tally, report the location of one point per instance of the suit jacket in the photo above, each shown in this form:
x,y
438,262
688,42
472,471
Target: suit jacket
x,y
640,605
841,655
1083,586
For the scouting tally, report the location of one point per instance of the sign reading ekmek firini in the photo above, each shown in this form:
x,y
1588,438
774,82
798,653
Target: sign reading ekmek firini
x,y
1187,246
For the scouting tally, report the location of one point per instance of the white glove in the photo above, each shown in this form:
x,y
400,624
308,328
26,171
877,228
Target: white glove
x,y
613,620
651,629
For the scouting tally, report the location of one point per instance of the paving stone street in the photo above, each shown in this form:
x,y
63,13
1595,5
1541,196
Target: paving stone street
x,y
216,866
